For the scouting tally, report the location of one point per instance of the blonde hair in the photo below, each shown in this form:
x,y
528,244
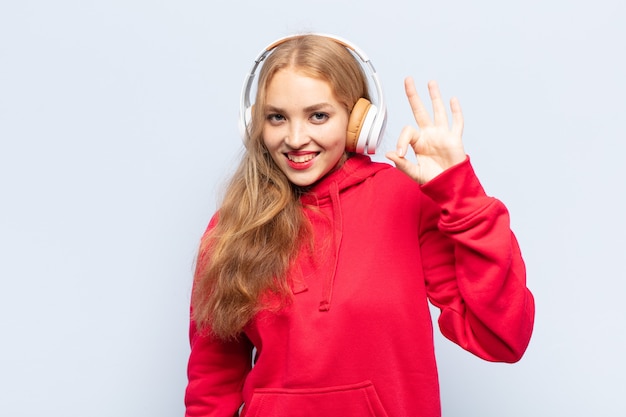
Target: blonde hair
x,y
261,225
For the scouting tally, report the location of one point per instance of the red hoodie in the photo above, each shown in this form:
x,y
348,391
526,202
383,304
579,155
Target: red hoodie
x,y
357,340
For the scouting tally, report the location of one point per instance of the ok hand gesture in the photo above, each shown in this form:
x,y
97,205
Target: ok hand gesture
x,y
437,146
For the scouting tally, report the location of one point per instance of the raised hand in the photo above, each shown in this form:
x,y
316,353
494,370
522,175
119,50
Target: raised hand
x,y
437,145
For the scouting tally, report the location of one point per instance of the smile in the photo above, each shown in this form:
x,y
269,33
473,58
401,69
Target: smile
x,y
301,158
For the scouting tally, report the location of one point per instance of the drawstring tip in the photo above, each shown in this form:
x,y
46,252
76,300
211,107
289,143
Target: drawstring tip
x,y
324,306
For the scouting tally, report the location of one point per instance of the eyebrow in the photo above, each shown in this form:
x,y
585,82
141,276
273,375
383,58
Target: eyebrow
x,y
308,109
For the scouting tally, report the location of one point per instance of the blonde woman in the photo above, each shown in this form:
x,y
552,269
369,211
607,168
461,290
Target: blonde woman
x,y
322,262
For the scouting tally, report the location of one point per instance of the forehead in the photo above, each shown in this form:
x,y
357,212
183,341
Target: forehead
x,y
291,85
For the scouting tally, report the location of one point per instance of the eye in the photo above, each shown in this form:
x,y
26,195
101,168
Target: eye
x,y
319,117
275,118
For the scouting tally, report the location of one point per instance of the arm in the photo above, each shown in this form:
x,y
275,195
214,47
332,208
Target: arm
x,y
472,263
216,369
216,372
474,270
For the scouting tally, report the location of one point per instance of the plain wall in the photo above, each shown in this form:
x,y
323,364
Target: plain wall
x,y
118,126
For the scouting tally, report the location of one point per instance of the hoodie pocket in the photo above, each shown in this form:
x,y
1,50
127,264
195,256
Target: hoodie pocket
x,y
358,400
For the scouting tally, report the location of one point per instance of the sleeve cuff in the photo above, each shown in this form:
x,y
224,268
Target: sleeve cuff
x,y
457,191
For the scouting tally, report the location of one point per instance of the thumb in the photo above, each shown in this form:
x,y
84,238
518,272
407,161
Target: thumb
x,y
401,163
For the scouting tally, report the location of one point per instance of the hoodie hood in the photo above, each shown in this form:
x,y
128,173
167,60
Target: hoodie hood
x,y
325,197
355,170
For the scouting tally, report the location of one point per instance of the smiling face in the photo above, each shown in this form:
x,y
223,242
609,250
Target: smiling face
x,y
305,126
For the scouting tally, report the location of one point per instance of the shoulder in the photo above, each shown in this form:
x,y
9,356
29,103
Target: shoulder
x,y
387,185
362,166
390,177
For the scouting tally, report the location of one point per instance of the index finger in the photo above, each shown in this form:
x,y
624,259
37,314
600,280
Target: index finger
x,y
419,111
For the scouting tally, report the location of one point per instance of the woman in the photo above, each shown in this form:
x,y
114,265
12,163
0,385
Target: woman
x,y
322,262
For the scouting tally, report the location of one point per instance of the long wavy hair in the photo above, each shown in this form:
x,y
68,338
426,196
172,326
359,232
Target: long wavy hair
x,y
260,227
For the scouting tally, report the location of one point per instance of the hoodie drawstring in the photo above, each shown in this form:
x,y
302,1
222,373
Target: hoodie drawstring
x,y
337,230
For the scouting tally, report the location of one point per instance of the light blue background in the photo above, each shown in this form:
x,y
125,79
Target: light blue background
x,y
118,127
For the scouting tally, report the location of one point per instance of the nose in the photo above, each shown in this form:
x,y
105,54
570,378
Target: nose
x,y
297,136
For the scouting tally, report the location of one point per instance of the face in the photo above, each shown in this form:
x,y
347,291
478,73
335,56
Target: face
x,y
305,126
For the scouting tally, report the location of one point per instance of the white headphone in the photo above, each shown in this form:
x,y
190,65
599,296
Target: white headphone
x,y
367,121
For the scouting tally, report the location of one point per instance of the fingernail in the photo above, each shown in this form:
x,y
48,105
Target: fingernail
x,y
400,151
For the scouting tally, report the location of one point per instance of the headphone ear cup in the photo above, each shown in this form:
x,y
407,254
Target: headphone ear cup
x,y
244,122
357,129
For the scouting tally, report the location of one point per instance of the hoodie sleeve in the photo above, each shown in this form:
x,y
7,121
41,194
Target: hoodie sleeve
x,y
473,267
216,369
216,372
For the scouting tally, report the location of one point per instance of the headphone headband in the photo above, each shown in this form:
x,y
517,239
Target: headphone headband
x,y
372,138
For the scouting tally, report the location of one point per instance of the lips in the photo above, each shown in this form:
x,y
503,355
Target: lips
x,y
300,160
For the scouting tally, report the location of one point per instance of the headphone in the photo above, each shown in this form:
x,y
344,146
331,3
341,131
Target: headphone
x,y
367,120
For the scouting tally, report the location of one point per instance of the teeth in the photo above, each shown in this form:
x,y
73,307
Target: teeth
x,y
299,159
